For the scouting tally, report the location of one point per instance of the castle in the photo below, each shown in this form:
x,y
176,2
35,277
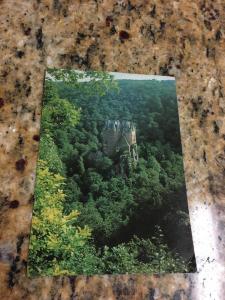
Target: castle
x,y
119,137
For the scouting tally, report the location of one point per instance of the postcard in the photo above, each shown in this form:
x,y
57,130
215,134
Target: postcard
x,y
110,194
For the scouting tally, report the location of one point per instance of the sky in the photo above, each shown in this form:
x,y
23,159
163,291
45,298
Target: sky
x,y
140,76
129,76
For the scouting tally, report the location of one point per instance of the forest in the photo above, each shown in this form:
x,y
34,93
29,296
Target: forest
x,y
89,217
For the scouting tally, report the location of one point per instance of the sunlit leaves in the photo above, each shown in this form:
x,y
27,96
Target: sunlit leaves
x,y
54,235
48,151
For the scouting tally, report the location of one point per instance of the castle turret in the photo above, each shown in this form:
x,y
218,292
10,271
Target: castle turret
x,y
120,136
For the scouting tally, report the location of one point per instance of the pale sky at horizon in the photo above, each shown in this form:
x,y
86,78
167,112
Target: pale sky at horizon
x,y
118,75
129,76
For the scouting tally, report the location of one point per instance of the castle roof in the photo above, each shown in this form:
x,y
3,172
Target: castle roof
x,y
118,125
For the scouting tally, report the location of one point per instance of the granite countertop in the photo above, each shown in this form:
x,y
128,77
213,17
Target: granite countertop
x,y
182,38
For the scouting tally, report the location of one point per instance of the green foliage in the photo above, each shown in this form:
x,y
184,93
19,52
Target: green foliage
x,y
49,152
99,82
59,112
142,256
50,92
109,207
57,242
119,259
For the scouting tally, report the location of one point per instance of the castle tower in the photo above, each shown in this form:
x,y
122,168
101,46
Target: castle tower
x,y
120,136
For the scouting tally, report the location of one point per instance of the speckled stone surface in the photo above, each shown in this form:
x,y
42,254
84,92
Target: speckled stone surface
x,y
178,38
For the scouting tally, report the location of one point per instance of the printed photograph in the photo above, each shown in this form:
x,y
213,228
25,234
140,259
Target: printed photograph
x,y
110,194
